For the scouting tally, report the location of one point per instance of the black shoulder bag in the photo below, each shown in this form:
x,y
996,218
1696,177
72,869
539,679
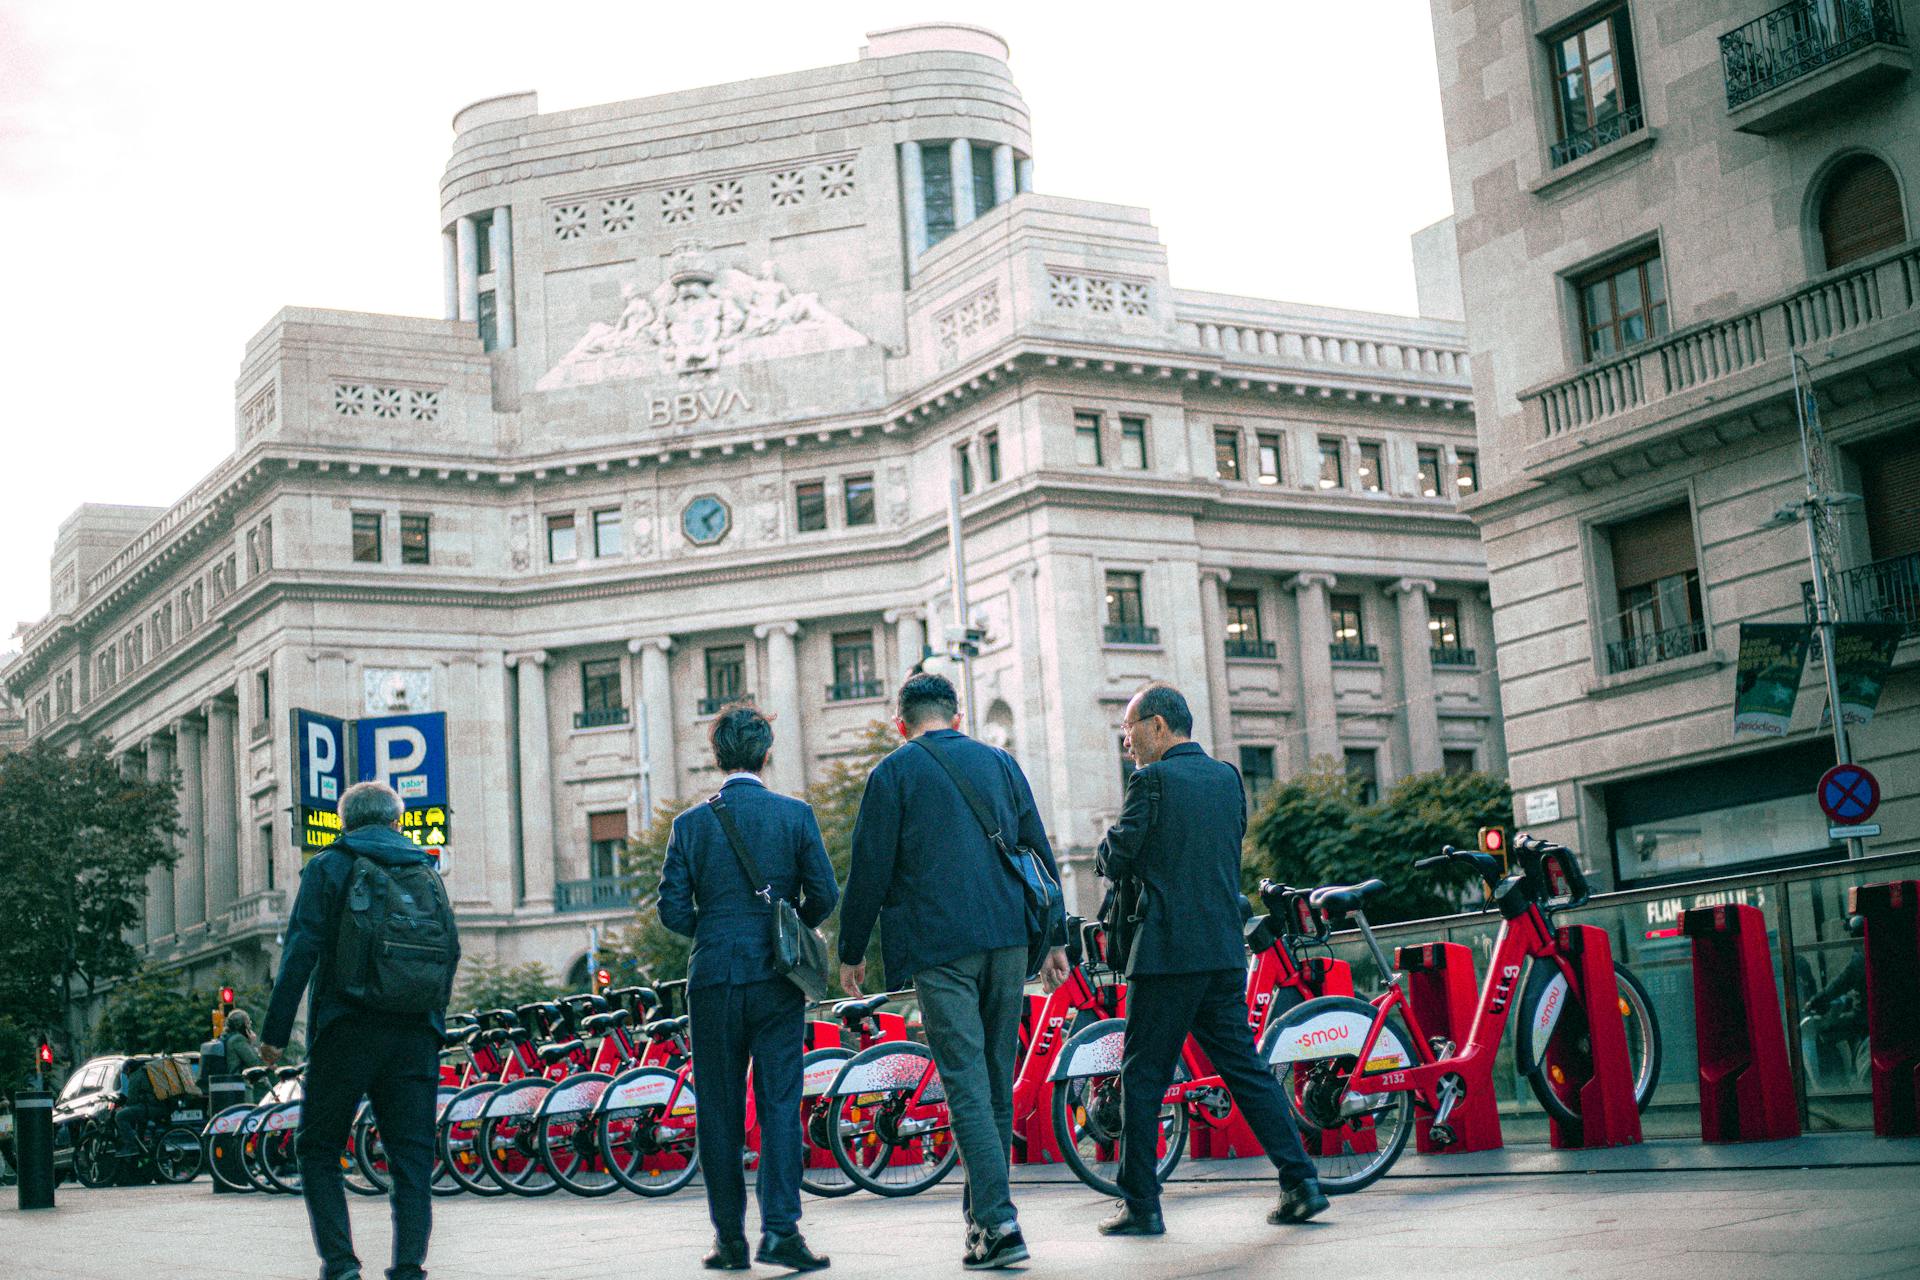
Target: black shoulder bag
x,y
1046,908
799,952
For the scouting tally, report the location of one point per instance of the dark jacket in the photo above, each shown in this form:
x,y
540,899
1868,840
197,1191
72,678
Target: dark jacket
x,y
704,892
1179,834
311,930
922,866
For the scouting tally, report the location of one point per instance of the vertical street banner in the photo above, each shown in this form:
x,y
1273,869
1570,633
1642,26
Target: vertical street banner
x,y
319,776
1766,681
409,754
1863,655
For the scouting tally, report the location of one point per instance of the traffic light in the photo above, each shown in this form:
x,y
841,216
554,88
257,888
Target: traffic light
x,y
226,999
602,981
1493,841
45,1054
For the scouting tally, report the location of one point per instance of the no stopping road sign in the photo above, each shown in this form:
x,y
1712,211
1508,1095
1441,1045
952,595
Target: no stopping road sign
x,y
1848,794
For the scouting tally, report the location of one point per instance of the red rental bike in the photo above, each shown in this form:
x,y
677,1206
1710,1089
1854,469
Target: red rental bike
x,y
1362,1069
861,1021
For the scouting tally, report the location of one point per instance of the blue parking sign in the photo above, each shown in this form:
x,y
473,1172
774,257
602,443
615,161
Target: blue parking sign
x,y
320,774
409,754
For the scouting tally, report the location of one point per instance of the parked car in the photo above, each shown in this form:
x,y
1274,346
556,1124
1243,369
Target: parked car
x,y
95,1087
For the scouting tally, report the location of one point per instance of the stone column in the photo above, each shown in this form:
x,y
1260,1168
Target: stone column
x,y
910,637
783,701
160,913
467,250
656,712
1317,706
1023,174
536,782
190,873
1030,732
450,274
1002,174
1416,675
219,774
1494,758
500,244
913,183
960,162
1213,635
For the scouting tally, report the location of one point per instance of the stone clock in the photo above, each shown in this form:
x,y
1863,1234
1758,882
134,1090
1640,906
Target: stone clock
x,y
706,520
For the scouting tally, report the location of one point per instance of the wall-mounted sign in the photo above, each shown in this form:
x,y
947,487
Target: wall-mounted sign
x,y
320,745
1541,806
409,754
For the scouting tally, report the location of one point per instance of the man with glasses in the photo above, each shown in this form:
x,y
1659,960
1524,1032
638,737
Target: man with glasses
x,y
1178,839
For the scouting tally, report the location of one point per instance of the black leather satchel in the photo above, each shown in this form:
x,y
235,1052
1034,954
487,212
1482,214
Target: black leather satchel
x,y
799,951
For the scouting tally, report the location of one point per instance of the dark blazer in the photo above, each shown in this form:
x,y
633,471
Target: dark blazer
x,y
922,867
1179,834
704,892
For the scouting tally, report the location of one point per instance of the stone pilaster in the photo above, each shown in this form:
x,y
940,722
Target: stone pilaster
x,y
536,782
655,714
1213,635
1317,704
913,184
500,244
467,253
1422,716
960,160
220,775
783,700
160,904
190,873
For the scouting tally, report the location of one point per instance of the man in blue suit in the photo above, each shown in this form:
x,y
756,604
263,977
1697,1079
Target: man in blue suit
x,y
741,1009
953,922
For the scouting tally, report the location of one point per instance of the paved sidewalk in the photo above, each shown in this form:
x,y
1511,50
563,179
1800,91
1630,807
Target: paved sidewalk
x,y
1759,1224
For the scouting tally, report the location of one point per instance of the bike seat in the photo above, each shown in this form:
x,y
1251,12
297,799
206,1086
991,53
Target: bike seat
x,y
552,1053
600,1024
287,1073
852,1011
253,1075
1345,899
505,1017
663,1028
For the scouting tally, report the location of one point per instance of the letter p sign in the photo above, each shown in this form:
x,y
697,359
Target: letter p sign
x,y
408,753
397,749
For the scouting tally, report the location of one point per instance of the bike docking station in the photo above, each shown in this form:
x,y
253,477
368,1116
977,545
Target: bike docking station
x,y
223,1092
1746,1085
1599,1073
1445,997
1892,914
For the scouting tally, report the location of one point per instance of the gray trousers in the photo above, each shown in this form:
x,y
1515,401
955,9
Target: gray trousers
x,y
971,1008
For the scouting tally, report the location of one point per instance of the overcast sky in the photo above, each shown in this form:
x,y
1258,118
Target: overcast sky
x,y
172,174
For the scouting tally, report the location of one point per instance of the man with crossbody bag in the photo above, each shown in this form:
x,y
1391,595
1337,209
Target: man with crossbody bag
x,y
952,862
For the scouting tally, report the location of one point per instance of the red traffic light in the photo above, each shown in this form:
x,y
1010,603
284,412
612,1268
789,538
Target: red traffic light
x,y
226,997
1493,840
603,978
46,1054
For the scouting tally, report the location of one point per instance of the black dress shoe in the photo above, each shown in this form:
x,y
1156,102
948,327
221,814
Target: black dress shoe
x,y
791,1252
1299,1202
726,1255
1134,1220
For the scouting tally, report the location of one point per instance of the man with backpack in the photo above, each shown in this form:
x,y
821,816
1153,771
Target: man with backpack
x,y
373,930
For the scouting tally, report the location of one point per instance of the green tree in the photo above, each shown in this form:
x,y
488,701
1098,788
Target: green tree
x,y
151,1013
490,984
1313,830
77,839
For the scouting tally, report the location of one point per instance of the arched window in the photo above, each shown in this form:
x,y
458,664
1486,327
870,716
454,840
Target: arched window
x,y
1860,211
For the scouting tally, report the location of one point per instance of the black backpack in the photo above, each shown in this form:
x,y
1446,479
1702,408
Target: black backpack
x,y
396,946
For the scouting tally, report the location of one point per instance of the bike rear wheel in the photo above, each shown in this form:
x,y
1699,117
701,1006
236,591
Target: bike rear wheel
x,y
363,1167
1351,1139
820,1173
279,1158
1553,1044
95,1161
565,1136
891,1129
223,1143
506,1141
1087,1120
458,1138
176,1155
647,1130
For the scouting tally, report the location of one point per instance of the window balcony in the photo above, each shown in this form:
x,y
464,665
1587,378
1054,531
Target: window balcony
x,y
1786,67
599,717
853,690
1250,649
1587,141
711,705
598,893
1444,656
1630,649
1347,651
1128,633
1884,591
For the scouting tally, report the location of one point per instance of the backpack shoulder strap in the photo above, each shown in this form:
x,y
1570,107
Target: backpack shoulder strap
x,y
981,814
747,864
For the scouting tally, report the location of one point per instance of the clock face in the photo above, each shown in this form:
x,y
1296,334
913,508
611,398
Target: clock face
x,y
706,520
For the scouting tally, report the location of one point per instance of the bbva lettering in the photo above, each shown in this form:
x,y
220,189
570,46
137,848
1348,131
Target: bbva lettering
x,y
691,406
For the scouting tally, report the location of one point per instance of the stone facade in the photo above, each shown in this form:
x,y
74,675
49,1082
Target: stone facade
x,y
1634,289
710,365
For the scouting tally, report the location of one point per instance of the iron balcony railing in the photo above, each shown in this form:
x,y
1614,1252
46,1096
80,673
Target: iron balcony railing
x,y
1611,129
597,893
1799,38
1448,656
711,705
1130,633
599,717
1250,648
1629,649
1884,591
1347,651
848,690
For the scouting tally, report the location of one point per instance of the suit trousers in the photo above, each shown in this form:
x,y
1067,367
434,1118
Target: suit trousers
x,y
762,1023
396,1064
1162,1009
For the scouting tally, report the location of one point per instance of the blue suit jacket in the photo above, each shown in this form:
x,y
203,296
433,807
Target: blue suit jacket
x,y
922,866
704,892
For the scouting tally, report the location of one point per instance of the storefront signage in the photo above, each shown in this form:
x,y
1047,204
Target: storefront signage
x,y
689,407
1766,681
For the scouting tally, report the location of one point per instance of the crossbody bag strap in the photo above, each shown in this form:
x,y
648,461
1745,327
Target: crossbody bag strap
x,y
981,813
747,864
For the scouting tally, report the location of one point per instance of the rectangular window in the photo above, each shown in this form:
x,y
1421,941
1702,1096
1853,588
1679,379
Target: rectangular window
x,y
1126,613
1429,480
963,459
1466,471
1596,93
1332,473
1244,638
810,506
1256,773
1372,471
600,686
1363,768
607,537
936,187
266,854
1269,447
1622,305
1349,631
853,667
1086,439
726,677
1226,453
489,321
562,546
1658,591
606,837
858,492
982,178
262,698
483,242
366,537
414,535
1457,760
1443,622
990,445
1133,443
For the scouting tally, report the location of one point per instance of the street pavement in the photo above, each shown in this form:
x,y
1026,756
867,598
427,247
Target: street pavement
x,y
1657,1224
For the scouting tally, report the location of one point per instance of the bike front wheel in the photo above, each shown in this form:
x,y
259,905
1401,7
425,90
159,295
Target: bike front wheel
x,y
564,1135
458,1139
890,1126
1352,1139
95,1161
176,1156
1553,1043
506,1141
279,1159
820,1173
223,1144
647,1130
1088,1122
363,1167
